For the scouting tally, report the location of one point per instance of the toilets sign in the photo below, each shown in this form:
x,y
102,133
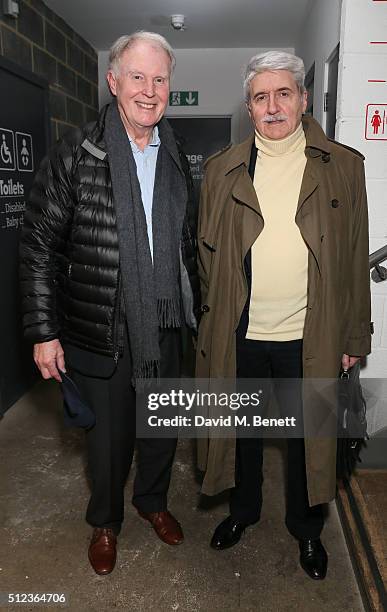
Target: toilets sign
x,y
16,158
184,98
376,122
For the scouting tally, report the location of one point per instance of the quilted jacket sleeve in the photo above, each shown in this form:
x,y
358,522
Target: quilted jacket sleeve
x,y
47,221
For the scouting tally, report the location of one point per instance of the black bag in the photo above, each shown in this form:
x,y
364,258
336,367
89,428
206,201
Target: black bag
x,y
351,421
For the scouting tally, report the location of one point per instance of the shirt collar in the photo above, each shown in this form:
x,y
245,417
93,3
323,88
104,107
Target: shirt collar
x,y
154,142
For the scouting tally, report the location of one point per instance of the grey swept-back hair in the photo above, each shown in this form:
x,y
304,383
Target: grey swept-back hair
x,y
129,40
274,60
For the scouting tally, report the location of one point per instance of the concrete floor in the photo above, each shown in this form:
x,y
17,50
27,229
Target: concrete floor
x,y
44,538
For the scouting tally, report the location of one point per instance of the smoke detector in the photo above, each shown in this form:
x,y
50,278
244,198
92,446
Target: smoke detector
x,y
177,22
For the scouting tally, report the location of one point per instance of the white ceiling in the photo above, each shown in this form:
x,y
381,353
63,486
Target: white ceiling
x,y
209,23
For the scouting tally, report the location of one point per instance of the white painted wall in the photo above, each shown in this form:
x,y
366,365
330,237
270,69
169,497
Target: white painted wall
x,y
319,36
215,73
364,21
354,23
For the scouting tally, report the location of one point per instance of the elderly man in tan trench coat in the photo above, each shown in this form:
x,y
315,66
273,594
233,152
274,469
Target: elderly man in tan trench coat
x,y
283,256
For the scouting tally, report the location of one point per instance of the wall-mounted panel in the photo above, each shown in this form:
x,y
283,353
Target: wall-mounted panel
x,y
24,137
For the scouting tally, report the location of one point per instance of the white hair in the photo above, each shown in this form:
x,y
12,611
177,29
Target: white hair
x,y
274,60
129,40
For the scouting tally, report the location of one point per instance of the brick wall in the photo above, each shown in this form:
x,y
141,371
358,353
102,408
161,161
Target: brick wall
x,y
40,41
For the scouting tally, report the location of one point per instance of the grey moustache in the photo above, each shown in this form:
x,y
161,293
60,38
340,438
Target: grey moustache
x,y
271,118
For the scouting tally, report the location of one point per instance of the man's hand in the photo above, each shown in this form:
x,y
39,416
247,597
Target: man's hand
x,y
49,356
347,361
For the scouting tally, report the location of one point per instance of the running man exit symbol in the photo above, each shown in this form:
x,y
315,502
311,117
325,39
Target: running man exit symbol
x,y
184,98
376,122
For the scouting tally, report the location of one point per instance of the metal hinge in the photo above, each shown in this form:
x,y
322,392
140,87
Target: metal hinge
x,y
326,105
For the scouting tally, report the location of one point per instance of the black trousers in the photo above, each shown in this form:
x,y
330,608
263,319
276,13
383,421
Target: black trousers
x,y
267,359
111,442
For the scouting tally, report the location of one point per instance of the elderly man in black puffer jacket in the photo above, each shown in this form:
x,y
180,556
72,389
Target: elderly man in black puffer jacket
x,y
108,278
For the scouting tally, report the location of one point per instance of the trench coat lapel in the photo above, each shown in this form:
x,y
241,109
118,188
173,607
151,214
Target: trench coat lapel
x,y
245,194
317,145
242,190
308,186
304,218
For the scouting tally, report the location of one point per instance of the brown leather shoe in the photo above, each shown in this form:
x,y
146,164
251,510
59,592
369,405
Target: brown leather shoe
x,y
102,551
165,525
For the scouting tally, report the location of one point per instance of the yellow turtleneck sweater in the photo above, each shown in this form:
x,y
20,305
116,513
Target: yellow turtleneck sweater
x,y
279,256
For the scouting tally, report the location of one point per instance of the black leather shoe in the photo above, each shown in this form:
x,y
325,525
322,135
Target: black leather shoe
x,y
313,558
227,534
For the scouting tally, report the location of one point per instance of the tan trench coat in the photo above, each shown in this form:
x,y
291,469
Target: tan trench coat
x,y
333,220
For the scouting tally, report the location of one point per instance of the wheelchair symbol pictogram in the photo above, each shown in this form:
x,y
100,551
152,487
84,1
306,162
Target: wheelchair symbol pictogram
x,y
7,150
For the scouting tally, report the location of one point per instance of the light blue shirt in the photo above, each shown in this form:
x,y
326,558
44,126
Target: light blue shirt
x,y
146,170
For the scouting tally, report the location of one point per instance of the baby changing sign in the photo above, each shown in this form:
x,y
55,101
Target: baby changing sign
x,y
376,122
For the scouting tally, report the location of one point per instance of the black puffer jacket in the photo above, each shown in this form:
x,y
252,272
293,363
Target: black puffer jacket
x,y
69,258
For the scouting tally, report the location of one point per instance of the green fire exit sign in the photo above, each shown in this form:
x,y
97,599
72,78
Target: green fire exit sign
x,y
183,98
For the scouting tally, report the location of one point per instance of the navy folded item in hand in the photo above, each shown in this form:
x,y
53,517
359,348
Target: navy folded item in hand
x,y
76,412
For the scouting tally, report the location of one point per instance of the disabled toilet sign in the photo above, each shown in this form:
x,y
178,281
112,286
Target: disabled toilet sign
x,y
7,150
376,122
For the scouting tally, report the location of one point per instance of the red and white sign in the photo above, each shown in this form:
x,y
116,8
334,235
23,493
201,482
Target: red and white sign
x,y
376,122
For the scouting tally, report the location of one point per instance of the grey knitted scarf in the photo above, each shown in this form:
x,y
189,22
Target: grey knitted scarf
x,y
151,291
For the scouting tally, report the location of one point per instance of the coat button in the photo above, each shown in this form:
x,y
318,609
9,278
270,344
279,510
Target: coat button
x,y
205,308
335,203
